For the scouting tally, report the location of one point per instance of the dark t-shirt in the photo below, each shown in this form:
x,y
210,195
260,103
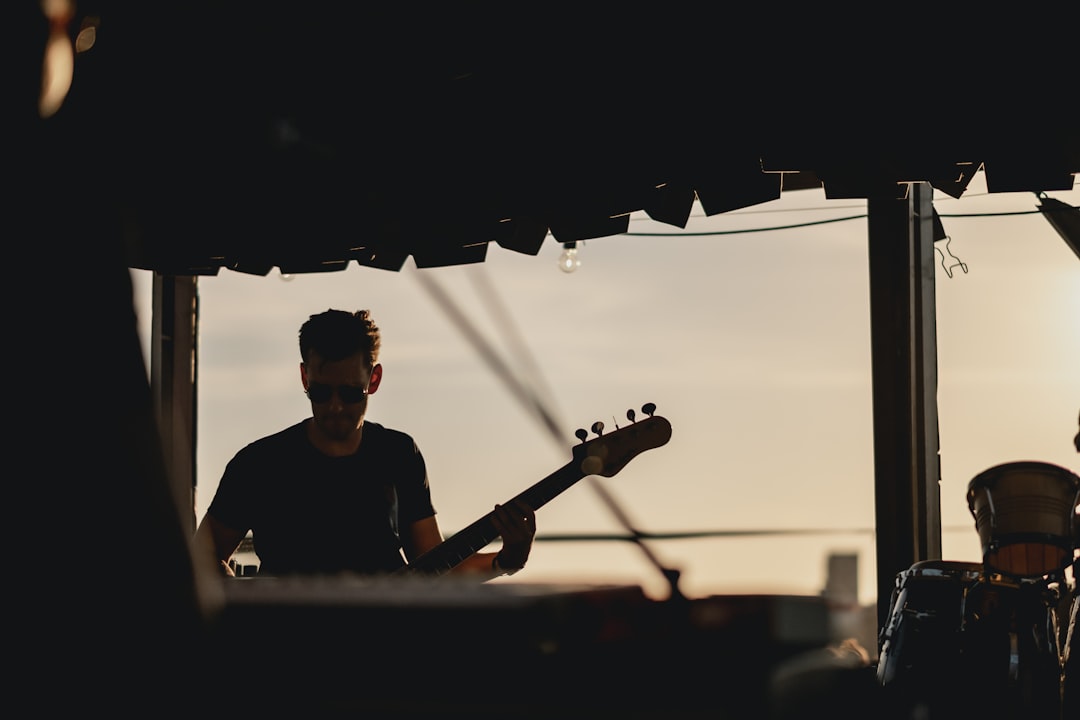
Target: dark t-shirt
x,y
311,513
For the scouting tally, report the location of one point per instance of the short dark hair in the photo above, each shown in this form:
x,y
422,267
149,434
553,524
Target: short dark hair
x,y
338,334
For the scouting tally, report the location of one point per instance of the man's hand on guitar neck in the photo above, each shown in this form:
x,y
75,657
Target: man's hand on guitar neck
x,y
516,524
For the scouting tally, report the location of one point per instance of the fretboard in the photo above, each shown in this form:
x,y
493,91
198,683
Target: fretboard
x,y
451,552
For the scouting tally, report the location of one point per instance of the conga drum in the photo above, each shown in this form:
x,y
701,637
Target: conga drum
x,y
960,642
1025,514
920,648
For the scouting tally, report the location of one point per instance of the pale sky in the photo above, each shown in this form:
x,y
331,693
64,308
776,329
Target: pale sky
x,y
755,346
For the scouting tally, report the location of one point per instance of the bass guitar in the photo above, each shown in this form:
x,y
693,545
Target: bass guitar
x,y
604,455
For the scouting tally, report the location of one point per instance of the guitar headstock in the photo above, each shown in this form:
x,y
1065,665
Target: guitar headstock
x,y
607,454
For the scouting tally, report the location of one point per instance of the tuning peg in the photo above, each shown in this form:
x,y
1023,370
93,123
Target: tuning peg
x,y
630,414
648,409
598,427
581,434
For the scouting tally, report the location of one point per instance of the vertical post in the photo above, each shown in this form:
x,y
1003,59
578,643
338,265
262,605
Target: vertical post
x,y
173,372
904,361
927,445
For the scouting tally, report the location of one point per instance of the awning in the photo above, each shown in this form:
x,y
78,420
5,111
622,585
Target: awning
x,y
307,136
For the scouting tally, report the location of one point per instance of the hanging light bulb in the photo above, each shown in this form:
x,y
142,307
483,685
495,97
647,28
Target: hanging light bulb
x,y
569,260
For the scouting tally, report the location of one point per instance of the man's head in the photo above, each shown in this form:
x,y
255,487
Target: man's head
x,y
337,334
339,368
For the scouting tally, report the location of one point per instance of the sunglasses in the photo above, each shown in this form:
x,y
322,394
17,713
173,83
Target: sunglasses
x,y
349,394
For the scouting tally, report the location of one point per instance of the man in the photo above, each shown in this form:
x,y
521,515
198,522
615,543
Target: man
x,y
335,493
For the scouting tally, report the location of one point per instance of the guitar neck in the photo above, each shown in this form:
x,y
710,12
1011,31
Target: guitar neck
x,y
604,455
451,552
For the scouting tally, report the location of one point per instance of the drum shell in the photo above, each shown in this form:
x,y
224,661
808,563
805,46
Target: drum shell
x,y
921,643
962,643
1025,514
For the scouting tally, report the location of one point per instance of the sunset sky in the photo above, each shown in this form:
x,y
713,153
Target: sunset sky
x,y
754,345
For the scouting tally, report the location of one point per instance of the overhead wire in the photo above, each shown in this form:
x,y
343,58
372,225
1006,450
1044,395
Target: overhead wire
x,y
811,223
706,534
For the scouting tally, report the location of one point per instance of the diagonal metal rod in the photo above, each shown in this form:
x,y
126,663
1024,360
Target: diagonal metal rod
x,y
481,281
670,574
532,402
524,394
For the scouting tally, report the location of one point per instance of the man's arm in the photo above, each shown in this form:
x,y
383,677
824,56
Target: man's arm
x,y
516,525
219,540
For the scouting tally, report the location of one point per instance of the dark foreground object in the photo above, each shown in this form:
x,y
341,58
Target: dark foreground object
x,y
345,648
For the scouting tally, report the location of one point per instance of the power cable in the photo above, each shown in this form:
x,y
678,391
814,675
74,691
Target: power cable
x,y
811,223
